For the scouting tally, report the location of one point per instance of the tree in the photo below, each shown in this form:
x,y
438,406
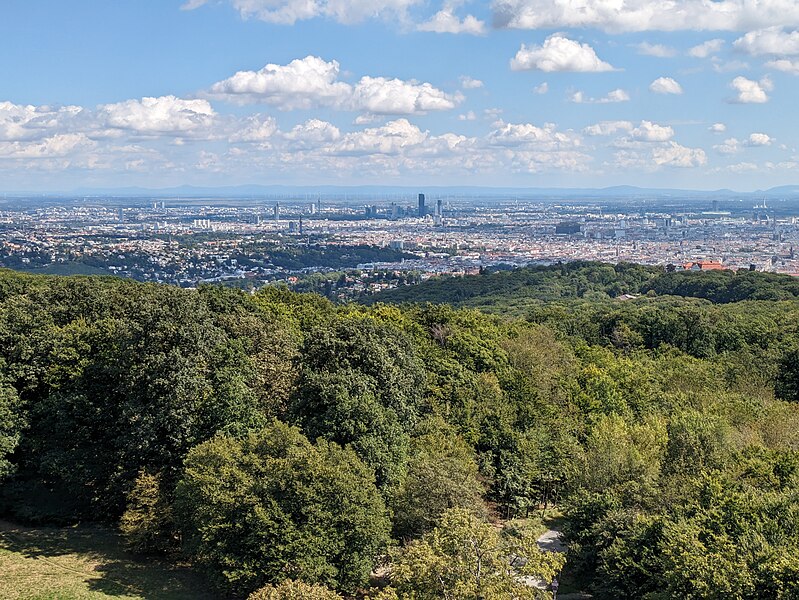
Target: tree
x,y
465,558
361,384
147,523
273,506
294,590
11,424
442,474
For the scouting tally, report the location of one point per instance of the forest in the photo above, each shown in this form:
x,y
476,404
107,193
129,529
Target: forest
x,y
286,447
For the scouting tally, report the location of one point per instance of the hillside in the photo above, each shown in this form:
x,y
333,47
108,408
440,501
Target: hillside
x,y
281,447
520,289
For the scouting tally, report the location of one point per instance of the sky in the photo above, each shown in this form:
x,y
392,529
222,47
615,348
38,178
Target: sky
x,y
696,94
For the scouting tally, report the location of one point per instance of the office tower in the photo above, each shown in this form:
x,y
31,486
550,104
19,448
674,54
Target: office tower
x,y
439,207
421,205
277,211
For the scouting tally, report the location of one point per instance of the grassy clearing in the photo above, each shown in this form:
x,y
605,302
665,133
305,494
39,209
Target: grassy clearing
x,y
85,562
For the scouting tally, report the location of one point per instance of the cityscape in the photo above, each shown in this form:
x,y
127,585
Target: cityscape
x,y
387,240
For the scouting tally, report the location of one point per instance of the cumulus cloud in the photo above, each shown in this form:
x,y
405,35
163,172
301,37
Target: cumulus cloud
x,y
728,146
611,97
303,83
313,132
391,138
379,95
675,155
256,128
707,48
759,139
646,15
751,92
470,83
288,12
770,41
446,21
469,116
559,53
647,131
658,50
163,115
541,88
665,85
55,146
547,137
784,65
23,122
605,128
718,128
312,82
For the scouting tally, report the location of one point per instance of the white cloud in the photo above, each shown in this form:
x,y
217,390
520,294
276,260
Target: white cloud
x,y
605,128
379,95
784,65
470,83
646,15
163,115
728,146
611,97
541,88
527,134
770,41
759,139
303,83
24,122
391,138
311,82
658,50
56,146
675,155
751,92
665,85
647,131
707,48
469,116
446,21
718,128
559,53
288,12
313,132
256,128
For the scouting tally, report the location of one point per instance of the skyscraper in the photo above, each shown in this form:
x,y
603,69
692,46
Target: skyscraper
x,y
421,205
439,207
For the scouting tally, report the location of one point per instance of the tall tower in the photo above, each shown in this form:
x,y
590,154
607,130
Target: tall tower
x,y
421,205
277,211
439,207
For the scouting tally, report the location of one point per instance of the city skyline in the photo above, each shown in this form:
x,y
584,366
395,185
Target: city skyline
x,y
520,93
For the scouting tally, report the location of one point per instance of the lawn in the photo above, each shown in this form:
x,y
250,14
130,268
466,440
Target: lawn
x,y
85,562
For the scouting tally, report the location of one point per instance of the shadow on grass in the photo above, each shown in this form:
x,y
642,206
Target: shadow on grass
x,y
94,556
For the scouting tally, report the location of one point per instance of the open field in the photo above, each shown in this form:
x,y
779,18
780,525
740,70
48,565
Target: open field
x,y
85,562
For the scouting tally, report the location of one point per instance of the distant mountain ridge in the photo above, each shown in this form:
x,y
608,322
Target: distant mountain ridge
x,y
255,190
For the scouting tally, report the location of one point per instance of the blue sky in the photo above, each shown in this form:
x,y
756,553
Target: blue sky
x,y
693,93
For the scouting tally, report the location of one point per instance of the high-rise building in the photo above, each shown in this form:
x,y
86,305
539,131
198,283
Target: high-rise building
x,y
421,205
277,211
439,207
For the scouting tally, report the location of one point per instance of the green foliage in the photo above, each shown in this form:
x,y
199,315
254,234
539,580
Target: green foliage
x,y
12,421
361,384
294,590
442,474
273,506
465,558
147,523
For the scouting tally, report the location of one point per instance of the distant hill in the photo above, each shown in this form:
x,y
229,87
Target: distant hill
x,y
514,291
260,190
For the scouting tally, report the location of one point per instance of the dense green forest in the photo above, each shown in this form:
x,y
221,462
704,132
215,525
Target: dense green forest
x,y
287,447
519,289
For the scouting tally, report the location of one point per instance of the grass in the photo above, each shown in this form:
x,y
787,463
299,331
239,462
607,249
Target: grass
x,y
85,562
